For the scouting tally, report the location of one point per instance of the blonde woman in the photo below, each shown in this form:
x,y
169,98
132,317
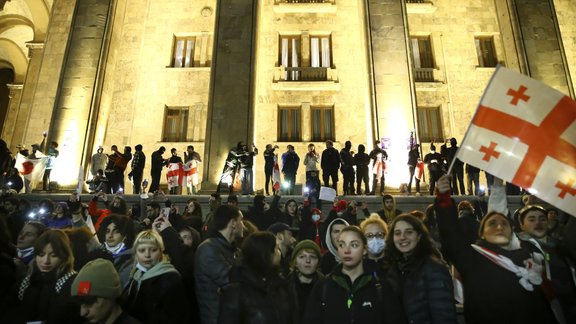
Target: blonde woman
x,y
375,230
155,292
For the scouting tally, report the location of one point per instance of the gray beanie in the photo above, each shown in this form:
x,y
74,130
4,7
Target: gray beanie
x,y
98,278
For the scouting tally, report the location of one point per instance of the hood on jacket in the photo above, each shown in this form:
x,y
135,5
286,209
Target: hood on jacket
x,y
328,238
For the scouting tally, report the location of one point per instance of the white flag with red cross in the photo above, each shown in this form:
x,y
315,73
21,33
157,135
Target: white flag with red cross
x,y
525,133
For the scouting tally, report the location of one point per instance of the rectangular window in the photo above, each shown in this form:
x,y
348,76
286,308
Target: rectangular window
x,y
321,51
485,51
290,56
429,124
175,124
322,123
183,52
289,124
422,52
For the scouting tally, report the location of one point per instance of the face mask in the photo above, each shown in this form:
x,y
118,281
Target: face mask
x,y
315,218
376,245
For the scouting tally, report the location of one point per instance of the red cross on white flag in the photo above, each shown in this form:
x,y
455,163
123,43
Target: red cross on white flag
x,y
525,133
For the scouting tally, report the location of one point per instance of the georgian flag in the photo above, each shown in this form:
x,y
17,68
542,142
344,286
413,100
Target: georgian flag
x,y
276,174
525,133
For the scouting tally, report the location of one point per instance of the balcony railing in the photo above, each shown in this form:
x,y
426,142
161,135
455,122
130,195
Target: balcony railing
x,y
417,1
424,74
306,74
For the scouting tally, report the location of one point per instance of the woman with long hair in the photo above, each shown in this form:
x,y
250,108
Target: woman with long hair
x,y
415,270
155,292
44,294
257,293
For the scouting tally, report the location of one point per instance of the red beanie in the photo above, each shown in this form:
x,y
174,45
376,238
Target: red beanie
x,y
341,205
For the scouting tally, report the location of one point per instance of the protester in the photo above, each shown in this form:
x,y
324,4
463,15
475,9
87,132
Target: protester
x,y
304,275
347,168
389,210
155,293
214,259
290,163
419,278
501,280
330,162
413,158
285,241
269,160
331,259
375,230
117,236
379,157
44,294
350,294
257,293
26,240
97,289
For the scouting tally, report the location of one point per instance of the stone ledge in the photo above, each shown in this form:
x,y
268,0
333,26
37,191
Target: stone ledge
x,y
306,85
305,8
421,8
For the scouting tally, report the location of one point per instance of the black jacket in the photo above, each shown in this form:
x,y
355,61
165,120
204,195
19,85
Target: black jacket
x,y
330,161
491,293
160,299
424,287
252,299
335,299
47,298
301,291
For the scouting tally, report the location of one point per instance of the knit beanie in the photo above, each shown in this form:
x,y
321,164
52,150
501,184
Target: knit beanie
x,y
305,245
98,278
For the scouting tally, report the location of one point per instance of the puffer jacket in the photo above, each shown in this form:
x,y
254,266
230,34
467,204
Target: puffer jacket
x,y
250,299
425,290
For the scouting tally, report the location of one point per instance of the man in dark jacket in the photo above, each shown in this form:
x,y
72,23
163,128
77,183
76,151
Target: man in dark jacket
x,y
435,162
362,160
214,259
290,163
347,168
138,162
330,163
158,162
457,169
413,156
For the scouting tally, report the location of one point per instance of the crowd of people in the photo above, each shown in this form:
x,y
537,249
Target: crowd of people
x,y
326,168
103,261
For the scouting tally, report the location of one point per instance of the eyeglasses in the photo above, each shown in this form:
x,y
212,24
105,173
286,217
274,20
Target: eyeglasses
x,y
379,235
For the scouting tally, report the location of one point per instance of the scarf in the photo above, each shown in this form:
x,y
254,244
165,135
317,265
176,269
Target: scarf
x,y
142,273
530,274
115,250
25,253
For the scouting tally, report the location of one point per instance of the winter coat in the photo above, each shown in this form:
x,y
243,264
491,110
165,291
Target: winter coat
x,y
311,161
157,295
330,161
424,287
250,299
346,160
335,299
290,162
214,259
46,297
301,291
492,294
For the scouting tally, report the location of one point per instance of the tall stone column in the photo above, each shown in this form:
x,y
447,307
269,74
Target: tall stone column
x,y
544,52
10,121
230,105
393,89
17,135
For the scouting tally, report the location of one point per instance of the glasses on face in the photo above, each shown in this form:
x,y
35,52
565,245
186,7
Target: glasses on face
x,y
379,235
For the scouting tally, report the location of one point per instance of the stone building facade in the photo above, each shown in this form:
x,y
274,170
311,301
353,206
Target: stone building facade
x,y
210,73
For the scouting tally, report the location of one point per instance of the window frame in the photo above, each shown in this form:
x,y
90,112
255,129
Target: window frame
x,y
320,37
182,130
484,53
290,137
290,49
175,41
323,136
430,48
430,136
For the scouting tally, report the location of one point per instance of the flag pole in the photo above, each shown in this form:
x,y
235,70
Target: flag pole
x,y
473,117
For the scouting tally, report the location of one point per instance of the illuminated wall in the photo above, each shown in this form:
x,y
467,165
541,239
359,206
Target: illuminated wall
x,y
136,82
